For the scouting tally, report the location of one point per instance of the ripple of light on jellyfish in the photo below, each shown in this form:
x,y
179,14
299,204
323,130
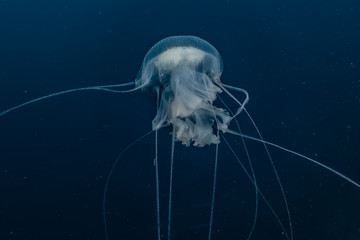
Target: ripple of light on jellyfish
x,y
184,72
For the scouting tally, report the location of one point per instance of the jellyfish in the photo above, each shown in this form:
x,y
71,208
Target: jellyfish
x,y
185,74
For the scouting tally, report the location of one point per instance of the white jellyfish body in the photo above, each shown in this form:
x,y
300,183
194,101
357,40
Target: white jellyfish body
x,y
186,69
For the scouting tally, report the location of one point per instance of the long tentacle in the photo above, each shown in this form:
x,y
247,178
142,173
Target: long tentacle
x,y
107,88
171,181
157,175
214,187
242,107
297,154
258,189
251,169
110,174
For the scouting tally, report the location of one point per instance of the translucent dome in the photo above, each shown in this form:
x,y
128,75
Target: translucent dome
x,y
178,51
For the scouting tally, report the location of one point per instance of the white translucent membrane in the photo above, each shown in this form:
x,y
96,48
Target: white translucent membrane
x,y
186,69
187,105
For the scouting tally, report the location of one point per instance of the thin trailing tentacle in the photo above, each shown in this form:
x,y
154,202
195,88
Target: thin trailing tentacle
x,y
297,154
110,174
215,173
106,88
251,169
242,107
214,188
276,175
171,181
157,175
258,189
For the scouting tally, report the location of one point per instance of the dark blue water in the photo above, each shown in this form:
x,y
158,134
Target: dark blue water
x,y
299,61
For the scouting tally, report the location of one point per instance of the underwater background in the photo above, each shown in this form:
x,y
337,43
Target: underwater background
x,y
299,60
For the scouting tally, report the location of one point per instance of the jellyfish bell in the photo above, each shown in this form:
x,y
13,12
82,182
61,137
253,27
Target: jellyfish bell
x,y
186,71
176,51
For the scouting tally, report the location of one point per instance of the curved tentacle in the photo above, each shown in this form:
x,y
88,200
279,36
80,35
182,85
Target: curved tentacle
x,y
242,107
110,174
251,169
297,154
258,189
107,88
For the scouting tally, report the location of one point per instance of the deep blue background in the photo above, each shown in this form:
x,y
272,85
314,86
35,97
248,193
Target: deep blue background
x,y
299,61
